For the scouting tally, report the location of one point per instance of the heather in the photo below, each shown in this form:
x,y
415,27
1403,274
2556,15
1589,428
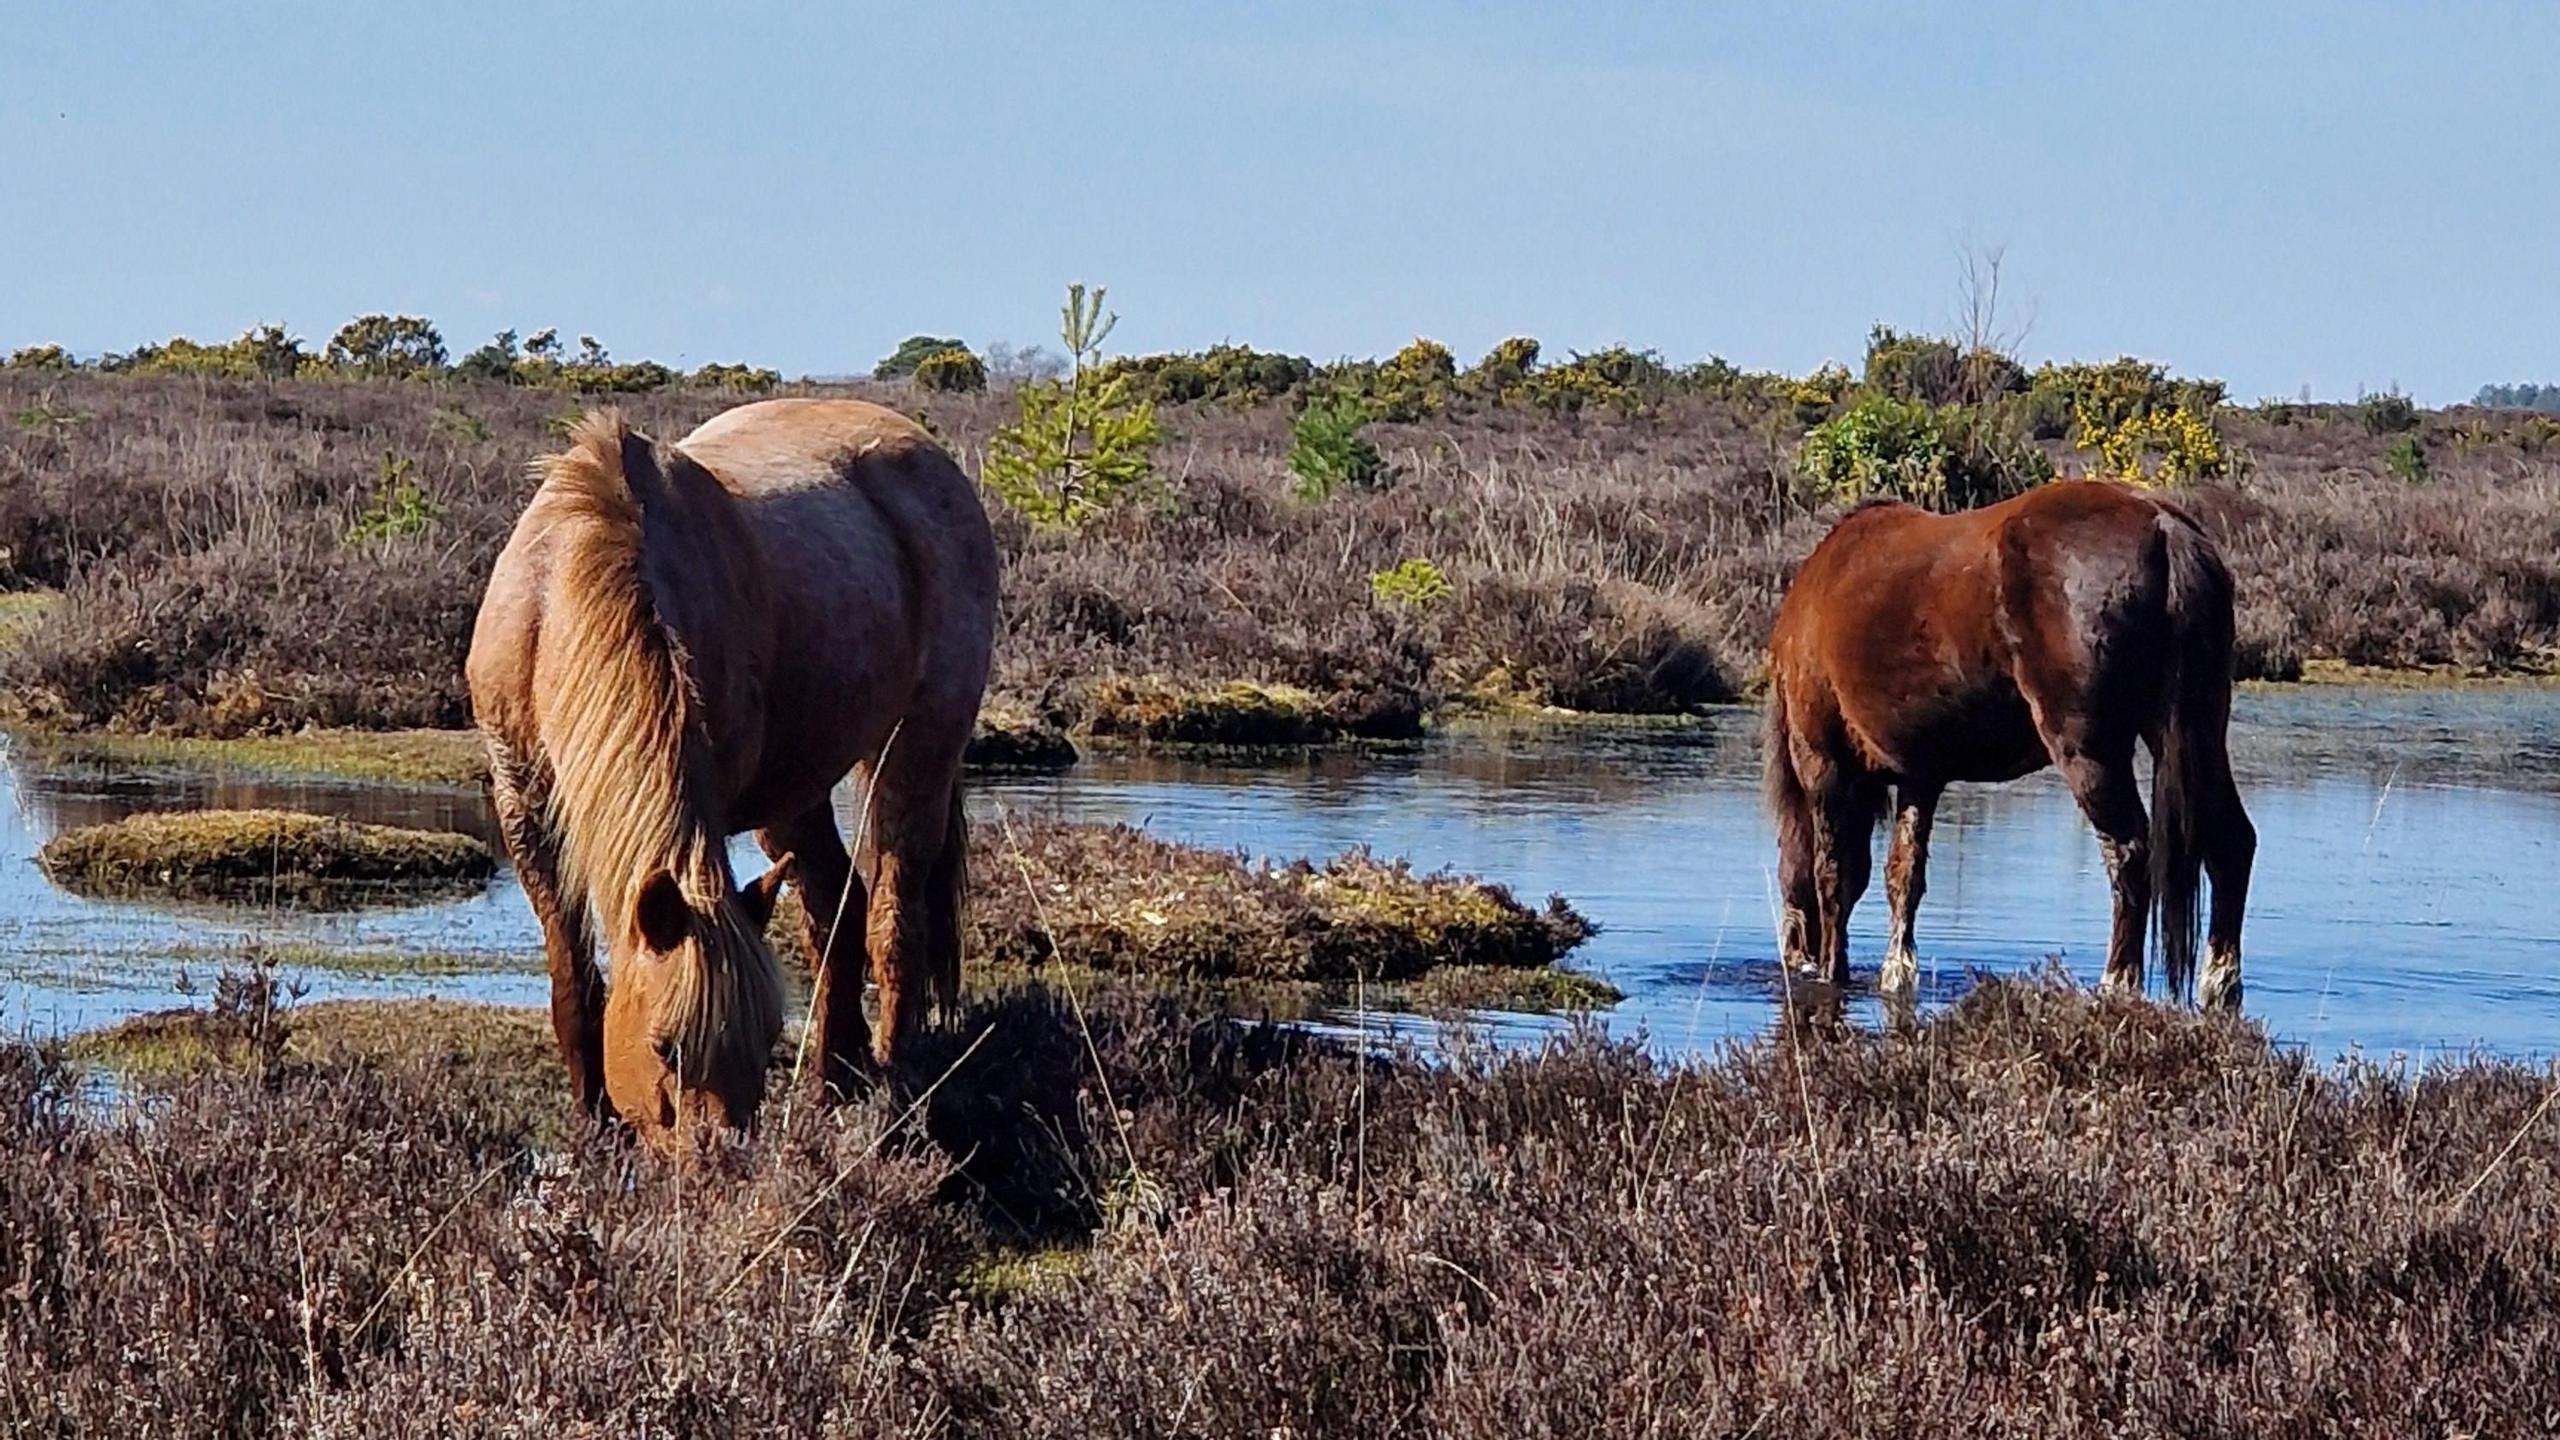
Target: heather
x,y
2037,1213
1367,550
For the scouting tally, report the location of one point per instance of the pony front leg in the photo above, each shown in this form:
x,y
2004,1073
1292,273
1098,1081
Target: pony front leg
x,y
568,941
1906,879
835,911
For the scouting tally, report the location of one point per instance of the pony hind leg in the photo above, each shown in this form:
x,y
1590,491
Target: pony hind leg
x,y
834,908
2230,850
1906,879
568,939
2108,795
914,929
1840,810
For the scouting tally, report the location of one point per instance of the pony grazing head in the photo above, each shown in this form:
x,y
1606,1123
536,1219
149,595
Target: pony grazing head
x,y
695,1006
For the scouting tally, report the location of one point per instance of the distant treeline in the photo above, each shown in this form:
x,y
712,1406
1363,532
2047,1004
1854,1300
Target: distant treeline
x,y
401,347
2519,397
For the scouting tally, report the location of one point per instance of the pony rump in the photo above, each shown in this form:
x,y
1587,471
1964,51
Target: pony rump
x,y
616,716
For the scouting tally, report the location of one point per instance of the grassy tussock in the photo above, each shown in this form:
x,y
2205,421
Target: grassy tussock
x,y
1015,737
425,758
1113,898
2040,1213
267,857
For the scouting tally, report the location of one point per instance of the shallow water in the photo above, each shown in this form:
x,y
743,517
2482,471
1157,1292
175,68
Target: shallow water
x,y
2407,896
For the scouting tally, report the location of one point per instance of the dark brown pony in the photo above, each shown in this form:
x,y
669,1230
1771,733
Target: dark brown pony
x,y
682,642
2062,627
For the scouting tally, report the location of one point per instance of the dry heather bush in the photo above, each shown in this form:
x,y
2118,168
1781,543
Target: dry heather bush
x,y
201,531
2038,1214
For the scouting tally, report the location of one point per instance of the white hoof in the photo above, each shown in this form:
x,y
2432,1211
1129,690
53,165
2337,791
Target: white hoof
x,y
2219,988
1900,977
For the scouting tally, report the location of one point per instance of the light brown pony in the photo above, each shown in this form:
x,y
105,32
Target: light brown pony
x,y
681,642
2061,627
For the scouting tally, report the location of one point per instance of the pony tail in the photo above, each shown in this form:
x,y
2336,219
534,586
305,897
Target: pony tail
x,y
950,892
613,713
2193,760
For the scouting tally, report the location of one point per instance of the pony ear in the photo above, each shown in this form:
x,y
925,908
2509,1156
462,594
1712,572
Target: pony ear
x,y
660,912
639,457
758,899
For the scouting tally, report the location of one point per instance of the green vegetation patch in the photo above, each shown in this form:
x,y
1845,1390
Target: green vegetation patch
x,y
1113,898
1012,737
1239,713
264,857
385,757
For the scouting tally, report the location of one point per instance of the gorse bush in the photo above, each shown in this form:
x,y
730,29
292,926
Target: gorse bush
x,y
1327,452
951,372
1415,383
912,352
1626,381
736,379
1502,376
1083,443
1938,372
1231,374
2101,398
1816,396
40,357
2158,447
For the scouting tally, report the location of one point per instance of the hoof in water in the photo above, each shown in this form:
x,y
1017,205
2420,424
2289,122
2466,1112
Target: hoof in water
x,y
2220,988
1900,977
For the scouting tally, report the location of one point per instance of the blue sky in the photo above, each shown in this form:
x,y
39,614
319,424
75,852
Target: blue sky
x,y
2337,194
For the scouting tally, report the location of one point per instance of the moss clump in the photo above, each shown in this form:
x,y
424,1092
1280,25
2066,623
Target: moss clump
x,y
264,857
1113,898
1238,713
1010,737
21,609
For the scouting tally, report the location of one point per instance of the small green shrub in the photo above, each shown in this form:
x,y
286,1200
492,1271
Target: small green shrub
x,y
951,372
1414,584
912,352
1083,443
1327,452
2407,459
401,507
1879,446
2389,414
40,357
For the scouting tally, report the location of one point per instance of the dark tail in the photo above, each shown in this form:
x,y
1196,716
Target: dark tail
x,y
2195,761
950,890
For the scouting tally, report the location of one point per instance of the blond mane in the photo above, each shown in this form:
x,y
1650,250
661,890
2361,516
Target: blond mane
x,y
618,725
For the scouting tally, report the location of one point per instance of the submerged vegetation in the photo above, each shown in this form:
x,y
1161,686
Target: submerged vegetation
x,y
2040,1212
264,857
